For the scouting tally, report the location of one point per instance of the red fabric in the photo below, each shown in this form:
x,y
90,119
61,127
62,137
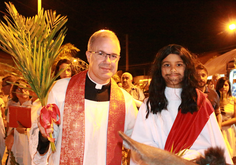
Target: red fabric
x,y
187,127
72,147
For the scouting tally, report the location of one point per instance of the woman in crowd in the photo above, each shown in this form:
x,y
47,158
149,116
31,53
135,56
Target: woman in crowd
x,y
62,64
228,111
177,116
17,139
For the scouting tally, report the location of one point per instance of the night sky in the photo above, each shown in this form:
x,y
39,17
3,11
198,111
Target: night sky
x,y
150,25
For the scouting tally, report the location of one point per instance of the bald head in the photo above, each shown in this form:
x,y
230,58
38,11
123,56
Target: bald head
x,y
127,74
102,34
126,80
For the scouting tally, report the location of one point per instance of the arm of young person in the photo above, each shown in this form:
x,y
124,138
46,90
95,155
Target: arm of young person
x,y
142,131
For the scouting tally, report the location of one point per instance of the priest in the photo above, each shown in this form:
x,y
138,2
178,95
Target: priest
x,y
93,109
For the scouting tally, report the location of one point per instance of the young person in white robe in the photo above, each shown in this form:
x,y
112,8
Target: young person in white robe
x,y
93,109
177,115
17,140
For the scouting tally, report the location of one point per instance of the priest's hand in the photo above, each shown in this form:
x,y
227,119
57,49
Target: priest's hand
x,y
43,131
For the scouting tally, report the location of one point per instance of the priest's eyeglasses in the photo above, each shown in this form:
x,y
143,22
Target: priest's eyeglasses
x,y
103,55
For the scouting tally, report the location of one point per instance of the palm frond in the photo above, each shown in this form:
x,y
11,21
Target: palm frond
x,y
35,43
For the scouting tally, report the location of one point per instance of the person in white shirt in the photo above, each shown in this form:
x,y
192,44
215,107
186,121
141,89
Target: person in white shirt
x,y
177,116
17,139
93,109
134,91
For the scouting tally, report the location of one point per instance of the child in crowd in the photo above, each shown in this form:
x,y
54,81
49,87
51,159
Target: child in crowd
x,y
210,84
64,64
17,139
177,116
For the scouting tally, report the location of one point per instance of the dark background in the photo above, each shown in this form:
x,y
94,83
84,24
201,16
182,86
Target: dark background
x,y
150,25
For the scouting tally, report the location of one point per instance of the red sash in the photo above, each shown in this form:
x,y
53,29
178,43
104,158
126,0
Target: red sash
x,y
187,127
73,131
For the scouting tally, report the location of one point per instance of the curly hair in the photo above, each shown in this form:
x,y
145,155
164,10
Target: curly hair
x,y
157,99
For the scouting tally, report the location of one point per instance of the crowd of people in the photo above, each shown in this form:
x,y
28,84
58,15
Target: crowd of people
x,y
183,111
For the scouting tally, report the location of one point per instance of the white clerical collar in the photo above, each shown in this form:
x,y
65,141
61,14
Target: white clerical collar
x,y
97,86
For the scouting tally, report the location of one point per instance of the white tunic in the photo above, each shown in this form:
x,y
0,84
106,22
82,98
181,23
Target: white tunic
x,y
20,147
96,121
155,129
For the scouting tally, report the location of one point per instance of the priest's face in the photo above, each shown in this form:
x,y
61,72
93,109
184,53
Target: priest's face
x,y
103,58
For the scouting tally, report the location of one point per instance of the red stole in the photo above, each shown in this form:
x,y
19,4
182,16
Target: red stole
x,y
73,131
187,127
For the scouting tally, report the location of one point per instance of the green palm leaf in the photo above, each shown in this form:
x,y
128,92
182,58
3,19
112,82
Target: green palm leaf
x,y
34,43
